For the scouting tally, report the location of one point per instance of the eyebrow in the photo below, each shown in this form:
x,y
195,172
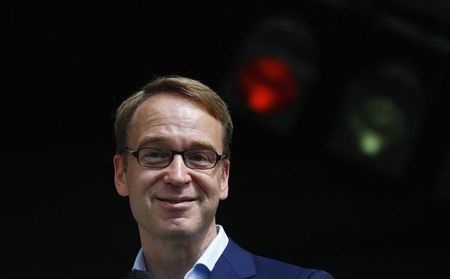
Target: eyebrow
x,y
162,139
151,139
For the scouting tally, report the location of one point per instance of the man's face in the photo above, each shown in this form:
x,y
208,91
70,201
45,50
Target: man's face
x,y
176,201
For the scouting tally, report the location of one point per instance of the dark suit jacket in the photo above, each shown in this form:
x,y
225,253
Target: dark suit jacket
x,y
235,262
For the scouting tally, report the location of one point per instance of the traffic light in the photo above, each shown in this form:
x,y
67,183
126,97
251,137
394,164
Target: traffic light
x,y
273,71
380,117
267,85
359,85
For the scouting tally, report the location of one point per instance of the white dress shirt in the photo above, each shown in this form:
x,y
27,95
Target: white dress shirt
x,y
204,265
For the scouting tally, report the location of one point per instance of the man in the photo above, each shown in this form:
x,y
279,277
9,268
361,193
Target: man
x,y
172,161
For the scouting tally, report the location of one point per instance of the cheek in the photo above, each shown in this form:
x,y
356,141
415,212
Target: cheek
x,y
210,185
141,181
140,192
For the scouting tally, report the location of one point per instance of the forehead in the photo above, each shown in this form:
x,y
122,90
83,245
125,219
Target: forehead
x,y
170,105
171,117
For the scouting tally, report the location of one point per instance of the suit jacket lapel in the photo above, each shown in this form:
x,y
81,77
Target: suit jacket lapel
x,y
234,262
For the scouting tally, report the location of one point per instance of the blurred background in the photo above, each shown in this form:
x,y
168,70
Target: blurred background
x,y
341,154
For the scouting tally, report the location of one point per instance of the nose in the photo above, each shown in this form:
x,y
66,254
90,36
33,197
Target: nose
x,y
177,173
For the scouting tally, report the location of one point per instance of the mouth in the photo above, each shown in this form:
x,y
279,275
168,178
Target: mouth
x,y
176,201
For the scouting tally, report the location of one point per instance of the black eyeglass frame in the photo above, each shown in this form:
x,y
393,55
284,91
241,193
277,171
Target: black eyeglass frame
x,y
172,153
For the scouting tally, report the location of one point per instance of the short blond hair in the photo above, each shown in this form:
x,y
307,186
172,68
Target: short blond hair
x,y
189,88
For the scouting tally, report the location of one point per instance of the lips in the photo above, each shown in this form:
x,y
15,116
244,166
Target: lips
x,y
176,200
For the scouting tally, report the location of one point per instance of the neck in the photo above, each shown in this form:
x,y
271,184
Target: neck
x,y
172,259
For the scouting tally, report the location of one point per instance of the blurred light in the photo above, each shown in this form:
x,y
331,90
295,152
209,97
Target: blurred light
x,y
273,72
377,124
379,118
268,85
370,143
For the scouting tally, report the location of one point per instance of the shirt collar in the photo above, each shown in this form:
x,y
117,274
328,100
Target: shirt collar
x,y
208,258
214,250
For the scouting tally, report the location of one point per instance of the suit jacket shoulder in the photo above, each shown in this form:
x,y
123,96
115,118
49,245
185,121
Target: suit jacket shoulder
x,y
235,262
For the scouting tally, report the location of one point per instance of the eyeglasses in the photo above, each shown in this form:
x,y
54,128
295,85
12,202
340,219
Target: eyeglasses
x,y
158,158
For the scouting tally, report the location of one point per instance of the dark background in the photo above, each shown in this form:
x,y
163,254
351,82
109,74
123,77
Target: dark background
x,y
67,66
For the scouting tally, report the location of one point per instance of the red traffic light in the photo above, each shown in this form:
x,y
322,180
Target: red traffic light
x,y
267,85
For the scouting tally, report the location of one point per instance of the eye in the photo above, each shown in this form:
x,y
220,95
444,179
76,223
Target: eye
x,y
154,155
200,156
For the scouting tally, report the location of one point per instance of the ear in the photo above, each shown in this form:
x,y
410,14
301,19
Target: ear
x,y
119,175
224,180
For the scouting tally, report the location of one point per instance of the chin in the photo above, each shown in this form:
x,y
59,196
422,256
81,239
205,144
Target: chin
x,y
179,230
178,234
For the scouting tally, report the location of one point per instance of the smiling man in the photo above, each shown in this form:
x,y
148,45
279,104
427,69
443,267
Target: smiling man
x,y
172,162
